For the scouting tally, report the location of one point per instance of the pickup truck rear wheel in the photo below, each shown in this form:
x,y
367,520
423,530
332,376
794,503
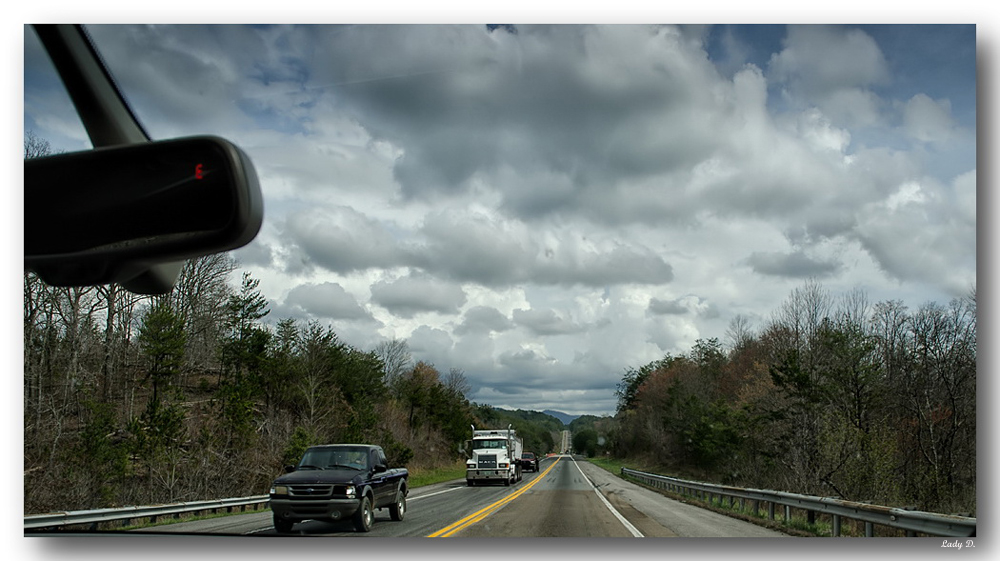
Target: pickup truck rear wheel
x,y
364,517
398,509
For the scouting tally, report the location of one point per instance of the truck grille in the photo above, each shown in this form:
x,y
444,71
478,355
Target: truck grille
x,y
488,461
309,491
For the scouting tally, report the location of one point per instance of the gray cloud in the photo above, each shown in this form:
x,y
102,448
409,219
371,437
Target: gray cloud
x,y
546,322
834,68
326,300
498,253
483,319
794,265
428,343
411,295
667,307
342,240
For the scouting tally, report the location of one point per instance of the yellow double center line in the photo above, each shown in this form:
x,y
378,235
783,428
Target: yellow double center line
x,y
477,516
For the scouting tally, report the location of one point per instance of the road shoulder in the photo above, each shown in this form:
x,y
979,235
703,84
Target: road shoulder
x,y
675,517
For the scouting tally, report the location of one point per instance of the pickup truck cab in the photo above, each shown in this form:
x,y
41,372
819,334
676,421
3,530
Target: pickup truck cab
x,y
334,482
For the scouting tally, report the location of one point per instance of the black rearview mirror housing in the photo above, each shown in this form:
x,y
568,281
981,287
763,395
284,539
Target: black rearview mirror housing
x,y
108,214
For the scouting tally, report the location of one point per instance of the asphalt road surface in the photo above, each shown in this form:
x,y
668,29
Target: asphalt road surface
x,y
567,498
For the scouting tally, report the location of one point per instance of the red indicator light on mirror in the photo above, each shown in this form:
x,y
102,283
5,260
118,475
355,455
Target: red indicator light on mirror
x,y
198,173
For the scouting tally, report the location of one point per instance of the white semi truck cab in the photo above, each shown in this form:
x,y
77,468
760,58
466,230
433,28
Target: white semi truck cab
x,y
495,456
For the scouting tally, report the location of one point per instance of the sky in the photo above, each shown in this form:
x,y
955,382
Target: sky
x,y
543,207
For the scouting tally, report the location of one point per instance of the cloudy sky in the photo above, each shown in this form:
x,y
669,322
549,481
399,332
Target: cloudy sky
x,y
543,207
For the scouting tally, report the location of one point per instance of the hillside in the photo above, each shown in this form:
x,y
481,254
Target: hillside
x,y
566,418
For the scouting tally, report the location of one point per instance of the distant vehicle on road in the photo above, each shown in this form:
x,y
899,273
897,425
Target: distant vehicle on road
x,y
529,462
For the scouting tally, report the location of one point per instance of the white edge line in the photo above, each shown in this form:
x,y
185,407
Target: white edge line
x,y
432,494
628,525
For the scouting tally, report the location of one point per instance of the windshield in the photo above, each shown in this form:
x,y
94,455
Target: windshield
x,y
739,254
356,458
494,444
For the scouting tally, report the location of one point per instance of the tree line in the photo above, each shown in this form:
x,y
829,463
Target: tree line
x,y
192,395
833,397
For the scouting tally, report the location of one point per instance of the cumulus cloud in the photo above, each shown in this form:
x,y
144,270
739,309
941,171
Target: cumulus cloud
x,y
426,341
341,239
834,68
414,294
546,322
667,307
483,319
499,252
928,120
325,300
941,251
795,265
542,207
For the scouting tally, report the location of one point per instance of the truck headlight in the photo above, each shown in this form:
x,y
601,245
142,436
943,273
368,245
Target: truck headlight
x,y
470,465
502,466
351,492
279,490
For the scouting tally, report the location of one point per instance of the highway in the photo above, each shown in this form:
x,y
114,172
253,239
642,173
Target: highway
x,y
567,498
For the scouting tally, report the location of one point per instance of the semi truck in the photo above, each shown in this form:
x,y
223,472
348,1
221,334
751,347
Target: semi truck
x,y
495,456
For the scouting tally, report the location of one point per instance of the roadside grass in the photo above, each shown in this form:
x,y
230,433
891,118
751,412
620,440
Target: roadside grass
x,y
420,477
612,465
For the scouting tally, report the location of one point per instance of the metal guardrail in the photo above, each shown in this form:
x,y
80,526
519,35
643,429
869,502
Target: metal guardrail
x,y
912,521
94,518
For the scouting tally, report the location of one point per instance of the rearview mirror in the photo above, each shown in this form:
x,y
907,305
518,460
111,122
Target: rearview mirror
x,y
108,214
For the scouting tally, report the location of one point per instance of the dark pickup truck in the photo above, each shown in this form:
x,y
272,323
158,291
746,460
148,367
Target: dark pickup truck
x,y
335,482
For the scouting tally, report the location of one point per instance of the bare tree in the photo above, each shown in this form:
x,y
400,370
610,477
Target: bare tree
x,y
457,383
35,146
739,334
396,359
200,296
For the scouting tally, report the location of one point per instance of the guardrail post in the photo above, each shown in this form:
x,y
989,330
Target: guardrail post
x,y
869,530
788,513
811,516
836,526
770,510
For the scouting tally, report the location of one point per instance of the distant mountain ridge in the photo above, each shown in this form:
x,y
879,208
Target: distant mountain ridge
x,y
566,418
530,414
